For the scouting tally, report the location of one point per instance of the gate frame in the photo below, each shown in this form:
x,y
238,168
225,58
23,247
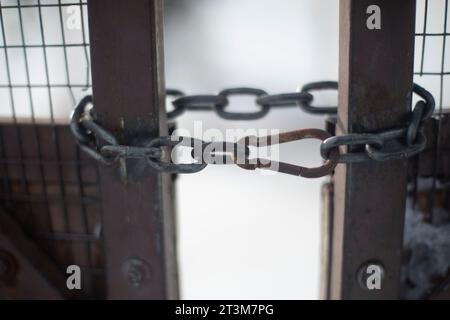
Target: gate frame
x,y
138,212
375,92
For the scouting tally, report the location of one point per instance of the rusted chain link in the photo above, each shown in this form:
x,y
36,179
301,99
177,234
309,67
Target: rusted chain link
x,y
390,144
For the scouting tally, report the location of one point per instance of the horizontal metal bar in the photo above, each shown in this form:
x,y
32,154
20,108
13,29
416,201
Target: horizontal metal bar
x,y
431,73
59,85
83,163
78,237
56,45
43,5
438,34
49,198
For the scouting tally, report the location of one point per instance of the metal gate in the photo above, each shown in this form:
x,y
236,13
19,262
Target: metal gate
x,y
60,208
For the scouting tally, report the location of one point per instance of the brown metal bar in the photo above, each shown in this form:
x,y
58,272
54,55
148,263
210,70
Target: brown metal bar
x,y
375,84
25,271
326,239
128,87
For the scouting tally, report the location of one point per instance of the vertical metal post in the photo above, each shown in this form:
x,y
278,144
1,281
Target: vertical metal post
x,y
327,235
128,88
375,85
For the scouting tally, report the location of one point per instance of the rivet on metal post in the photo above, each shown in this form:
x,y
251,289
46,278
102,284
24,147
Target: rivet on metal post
x,y
136,271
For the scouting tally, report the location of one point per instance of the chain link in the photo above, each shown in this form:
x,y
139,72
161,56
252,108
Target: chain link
x,y
219,102
318,86
390,144
251,164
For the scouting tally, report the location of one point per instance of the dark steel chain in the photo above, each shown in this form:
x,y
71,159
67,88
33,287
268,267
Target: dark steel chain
x,y
219,102
390,144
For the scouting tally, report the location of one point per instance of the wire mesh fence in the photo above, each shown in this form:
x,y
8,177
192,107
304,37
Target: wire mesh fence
x,y
432,60
46,58
46,182
432,69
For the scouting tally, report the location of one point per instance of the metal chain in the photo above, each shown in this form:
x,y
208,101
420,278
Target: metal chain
x,y
219,102
390,144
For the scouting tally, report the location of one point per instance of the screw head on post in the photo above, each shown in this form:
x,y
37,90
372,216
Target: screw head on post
x,y
136,272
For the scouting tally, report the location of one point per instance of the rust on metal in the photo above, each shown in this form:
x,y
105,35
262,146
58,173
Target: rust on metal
x,y
267,164
326,239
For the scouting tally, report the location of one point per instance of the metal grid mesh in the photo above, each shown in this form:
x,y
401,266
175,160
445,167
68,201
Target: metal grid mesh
x,y
45,48
424,274
432,60
432,70
46,183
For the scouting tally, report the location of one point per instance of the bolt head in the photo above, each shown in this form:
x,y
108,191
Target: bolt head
x,y
136,272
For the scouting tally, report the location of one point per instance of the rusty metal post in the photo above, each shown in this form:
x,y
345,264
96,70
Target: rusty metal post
x,y
375,85
326,240
128,88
